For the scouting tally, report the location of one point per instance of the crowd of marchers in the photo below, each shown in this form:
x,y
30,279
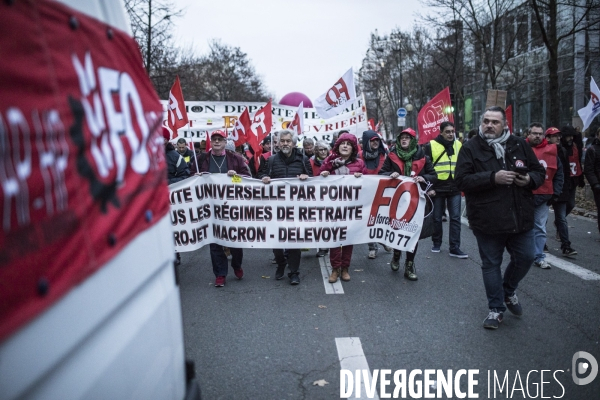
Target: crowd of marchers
x,y
512,178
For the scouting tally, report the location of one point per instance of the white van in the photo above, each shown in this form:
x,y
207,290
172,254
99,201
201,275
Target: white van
x,y
89,301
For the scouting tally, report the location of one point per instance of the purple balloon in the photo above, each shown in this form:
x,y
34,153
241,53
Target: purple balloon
x,y
294,99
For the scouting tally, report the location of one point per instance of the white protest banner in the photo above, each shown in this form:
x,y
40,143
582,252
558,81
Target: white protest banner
x,y
206,117
337,97
289,213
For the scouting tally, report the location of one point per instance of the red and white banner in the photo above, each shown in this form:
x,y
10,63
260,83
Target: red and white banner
x,y
81,156
207,116
297,124
436,111
337,97
176,109
290,213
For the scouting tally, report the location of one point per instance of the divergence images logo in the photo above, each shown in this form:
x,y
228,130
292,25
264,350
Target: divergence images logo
x,y
580,367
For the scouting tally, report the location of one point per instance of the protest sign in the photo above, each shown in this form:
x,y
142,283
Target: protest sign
x,y
207,116
289,213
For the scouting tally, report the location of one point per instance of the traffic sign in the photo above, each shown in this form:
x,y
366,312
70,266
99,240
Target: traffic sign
x,y
402,112
401,121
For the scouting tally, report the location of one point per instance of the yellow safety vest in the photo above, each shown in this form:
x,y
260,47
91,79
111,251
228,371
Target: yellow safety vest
x,y
446,164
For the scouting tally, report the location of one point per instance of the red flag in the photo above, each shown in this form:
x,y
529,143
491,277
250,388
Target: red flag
x,y
207,148
177,117
371,123
508,113
260,126
297,124
241,128
257,155
438,110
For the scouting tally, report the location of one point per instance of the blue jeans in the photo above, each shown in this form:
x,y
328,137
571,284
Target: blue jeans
x,y
560,220
491,249
453,203
219,259
540,217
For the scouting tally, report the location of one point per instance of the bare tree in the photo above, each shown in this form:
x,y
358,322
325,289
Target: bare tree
x,y
585,17
151,23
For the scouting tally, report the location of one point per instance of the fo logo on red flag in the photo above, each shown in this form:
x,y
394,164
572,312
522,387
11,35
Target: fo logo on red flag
x,y
177,115
260,126
240,129
333,102
297,123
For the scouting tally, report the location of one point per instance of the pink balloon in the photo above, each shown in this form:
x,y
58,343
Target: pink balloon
x,y
294,99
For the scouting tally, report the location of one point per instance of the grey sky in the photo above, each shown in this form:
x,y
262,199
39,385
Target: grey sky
x,y
296,46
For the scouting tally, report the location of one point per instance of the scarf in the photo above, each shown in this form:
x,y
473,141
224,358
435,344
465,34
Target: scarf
x,y
542,144
496,144
406,155
371,158
448,145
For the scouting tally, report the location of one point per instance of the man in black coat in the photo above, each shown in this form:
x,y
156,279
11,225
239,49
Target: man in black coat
x,y
288,163
497,172
177,168
592,172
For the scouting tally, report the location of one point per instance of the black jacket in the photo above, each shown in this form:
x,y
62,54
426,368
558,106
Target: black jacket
x,y
497,209
591,169
279,166
177,168
428,172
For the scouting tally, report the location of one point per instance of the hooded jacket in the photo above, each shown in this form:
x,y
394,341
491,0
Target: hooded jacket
x,y
375,164
497,209
354,164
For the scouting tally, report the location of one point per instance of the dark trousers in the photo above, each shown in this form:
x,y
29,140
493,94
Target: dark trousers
x,y
410,256
491,248
293,259
219,259
453,203
597,200
560,221
340,256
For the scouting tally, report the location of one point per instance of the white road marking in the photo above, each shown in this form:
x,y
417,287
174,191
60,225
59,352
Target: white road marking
x,y
572,268
330,288
557,262
353,358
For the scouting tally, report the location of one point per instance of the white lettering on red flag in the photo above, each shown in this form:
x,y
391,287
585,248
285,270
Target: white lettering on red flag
x,y
176,108
433,114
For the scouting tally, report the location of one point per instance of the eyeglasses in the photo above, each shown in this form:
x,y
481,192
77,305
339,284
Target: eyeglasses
x,y
217,139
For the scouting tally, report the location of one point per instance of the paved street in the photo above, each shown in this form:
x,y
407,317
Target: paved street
x,y
259,338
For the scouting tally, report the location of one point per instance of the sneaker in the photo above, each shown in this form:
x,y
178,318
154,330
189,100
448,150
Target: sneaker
x,y
220,281
493,319
542,264
410,271
239,273
372,254
568,252
387,248
279,273
322,252
458,254
513,305
294,279
546,249
436,248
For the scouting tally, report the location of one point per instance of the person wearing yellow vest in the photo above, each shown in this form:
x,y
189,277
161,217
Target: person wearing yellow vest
x,y
443,152
547,155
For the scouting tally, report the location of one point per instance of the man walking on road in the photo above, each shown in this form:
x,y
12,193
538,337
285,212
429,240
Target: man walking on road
x,y
219,161
443,152
498,172
547,154
288,163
